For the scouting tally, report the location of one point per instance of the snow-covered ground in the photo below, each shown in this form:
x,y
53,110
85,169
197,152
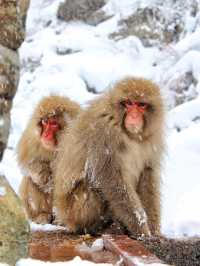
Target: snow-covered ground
x,y
97,61
75,262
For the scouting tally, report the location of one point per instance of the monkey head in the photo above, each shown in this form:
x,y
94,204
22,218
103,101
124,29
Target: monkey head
x,y
139,107
52,116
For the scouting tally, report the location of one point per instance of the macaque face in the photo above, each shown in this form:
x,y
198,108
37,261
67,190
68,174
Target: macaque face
x,y
49,130
134,115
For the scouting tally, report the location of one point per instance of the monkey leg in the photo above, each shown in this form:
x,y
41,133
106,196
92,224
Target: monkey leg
x,y
128,209
38,204
82,211
149,192
124,204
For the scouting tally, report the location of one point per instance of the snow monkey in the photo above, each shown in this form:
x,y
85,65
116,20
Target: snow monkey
x,y
36,150
116,148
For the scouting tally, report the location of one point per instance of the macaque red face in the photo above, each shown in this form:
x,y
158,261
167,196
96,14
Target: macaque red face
x,y
134,115
50,127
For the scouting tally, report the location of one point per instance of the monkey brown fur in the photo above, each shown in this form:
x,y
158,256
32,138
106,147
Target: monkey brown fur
x,y
118,162
35,156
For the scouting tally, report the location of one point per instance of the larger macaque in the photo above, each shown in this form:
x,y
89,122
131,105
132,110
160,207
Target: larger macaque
x,y
116,151
36,150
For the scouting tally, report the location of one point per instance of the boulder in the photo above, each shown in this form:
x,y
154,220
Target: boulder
x,y
12,14
14,226
84,10
157,22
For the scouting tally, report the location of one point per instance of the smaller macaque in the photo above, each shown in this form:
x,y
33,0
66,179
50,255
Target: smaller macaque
x,y
116,148
36,150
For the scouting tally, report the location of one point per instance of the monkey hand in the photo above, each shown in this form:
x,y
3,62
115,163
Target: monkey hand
x,y
63,218
139,231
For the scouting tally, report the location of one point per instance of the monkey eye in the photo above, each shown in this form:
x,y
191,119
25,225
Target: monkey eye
x,y
142,104
125,103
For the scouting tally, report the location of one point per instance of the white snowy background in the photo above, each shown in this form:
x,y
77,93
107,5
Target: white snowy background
x,y
97,61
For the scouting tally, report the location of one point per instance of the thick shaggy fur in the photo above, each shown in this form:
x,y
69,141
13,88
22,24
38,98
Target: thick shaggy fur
x,y
35,160
119,169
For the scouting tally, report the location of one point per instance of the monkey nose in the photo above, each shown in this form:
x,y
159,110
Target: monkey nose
x,y
135,112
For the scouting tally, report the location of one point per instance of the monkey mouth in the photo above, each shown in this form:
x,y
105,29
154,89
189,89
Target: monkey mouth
x,y
134,124
48,144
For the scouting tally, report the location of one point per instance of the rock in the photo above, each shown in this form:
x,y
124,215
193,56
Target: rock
x,y
158,22
11,37
85,10
179,252
97,17
9,76
182,88
14,227
11,30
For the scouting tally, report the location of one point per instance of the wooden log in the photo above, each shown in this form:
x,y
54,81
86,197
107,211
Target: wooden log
x,y
59,246
132,252
54,246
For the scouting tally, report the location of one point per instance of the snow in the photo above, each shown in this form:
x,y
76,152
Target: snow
x,y
181,213
2,191
68,58
138,262
141,217
98,244
46,227
184,115
75,262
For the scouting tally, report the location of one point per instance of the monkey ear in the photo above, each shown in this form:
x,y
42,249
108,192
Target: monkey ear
x,y
38,131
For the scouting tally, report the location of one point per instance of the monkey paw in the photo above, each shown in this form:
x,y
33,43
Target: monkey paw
x,y
43,218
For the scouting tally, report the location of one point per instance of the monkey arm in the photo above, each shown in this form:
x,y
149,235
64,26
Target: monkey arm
x,y
40,171
149,191
127,208
37,203
68,175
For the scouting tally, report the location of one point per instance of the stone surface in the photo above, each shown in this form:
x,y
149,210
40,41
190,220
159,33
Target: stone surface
x,y
14,227
179,252
9,76
85,10
182,88
158,22
11,30
11,37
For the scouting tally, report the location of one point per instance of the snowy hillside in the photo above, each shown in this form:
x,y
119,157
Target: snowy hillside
x,y
76,59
